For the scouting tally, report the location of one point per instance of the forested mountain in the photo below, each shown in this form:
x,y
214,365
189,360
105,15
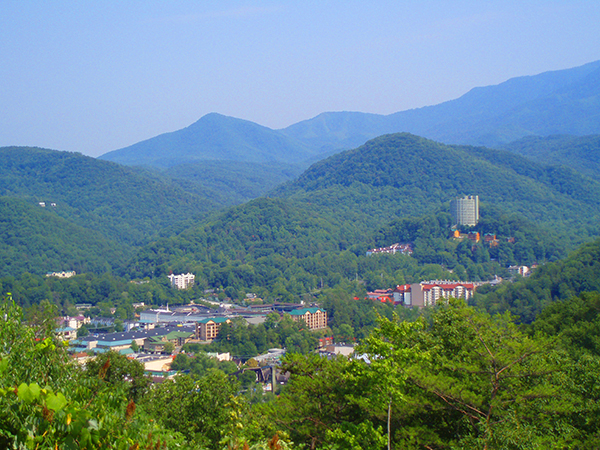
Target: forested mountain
x,y
394,188
560,280
404,175
214,137
36,240
581,153
558,102
229,183
121,203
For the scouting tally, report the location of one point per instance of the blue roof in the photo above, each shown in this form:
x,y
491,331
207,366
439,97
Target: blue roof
x,y
301,312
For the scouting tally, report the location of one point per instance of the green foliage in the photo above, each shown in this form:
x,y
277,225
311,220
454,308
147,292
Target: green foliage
x,y
559,280
315,401
122,204
116,370
50,242
201,409
231,183
578,152
46,402
406,175
102,291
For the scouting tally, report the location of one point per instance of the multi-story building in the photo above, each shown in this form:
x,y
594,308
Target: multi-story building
x,y
315,318
465,211
429,293
63,274
183,281
208,329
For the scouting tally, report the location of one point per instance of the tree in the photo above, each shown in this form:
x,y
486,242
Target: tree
x,y
389,357
169,348
202,409
482,377
46,402
117,369
316,398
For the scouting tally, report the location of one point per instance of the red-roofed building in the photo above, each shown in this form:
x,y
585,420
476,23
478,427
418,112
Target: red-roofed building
x,y
429,293
383,295
402,295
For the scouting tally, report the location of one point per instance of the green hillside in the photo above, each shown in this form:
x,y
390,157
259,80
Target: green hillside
x,y
581,153
36,240
404,175
561,280
213,137
123,204
394,188
229,183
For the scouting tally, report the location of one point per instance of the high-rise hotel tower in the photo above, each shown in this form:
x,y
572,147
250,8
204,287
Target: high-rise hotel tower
x,y
465,211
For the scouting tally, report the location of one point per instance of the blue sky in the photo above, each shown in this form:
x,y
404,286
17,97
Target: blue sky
x,y
96,76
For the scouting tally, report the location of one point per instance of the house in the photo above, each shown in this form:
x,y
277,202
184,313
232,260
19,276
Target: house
x,y
491,240
74,322
383,295
67,333
315,318
63,274
524,271
474,237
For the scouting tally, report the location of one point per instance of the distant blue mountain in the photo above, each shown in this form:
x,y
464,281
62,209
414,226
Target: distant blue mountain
x,y
214,137
558,102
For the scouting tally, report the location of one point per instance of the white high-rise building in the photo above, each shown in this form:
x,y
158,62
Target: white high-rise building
x,y
182,281
465,211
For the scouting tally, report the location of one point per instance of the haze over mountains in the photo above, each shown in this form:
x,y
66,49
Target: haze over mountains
x,y
558,102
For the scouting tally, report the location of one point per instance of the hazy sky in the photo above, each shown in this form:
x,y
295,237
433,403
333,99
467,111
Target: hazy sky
x,y
94,76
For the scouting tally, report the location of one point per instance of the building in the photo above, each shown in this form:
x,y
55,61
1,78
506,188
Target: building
x,y
405,249
183,281
465,211
402,295
63,274
100,343
429,293
156,344
383,295
315,318
208,329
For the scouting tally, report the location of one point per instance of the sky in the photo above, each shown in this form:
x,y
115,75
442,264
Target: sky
x,y
95,76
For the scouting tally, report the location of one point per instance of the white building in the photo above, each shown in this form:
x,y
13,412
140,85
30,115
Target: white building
x,y
183,281
465,211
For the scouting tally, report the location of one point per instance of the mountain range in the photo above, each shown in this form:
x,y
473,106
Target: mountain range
x,y
337,200
558,102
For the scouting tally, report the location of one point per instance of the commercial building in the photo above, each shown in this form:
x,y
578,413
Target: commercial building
x,y
465,211
208,329
315,318
429,293
182,281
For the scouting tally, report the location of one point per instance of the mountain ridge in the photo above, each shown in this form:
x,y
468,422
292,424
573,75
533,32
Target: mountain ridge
x,y
554,102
